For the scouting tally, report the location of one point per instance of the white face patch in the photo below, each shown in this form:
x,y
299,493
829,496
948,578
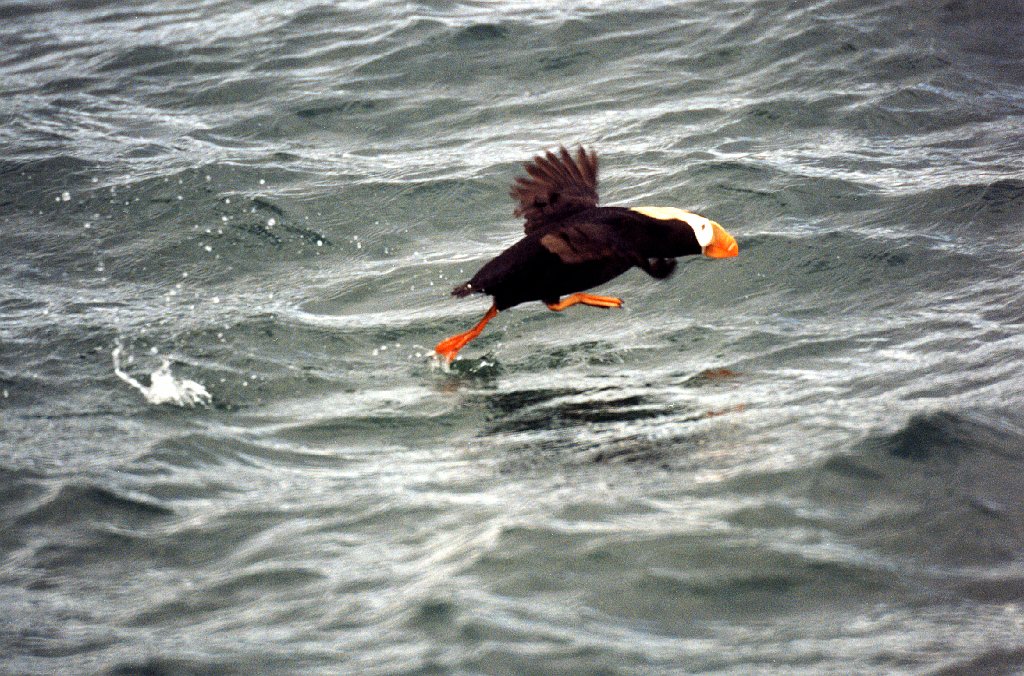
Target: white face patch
x,y
701,226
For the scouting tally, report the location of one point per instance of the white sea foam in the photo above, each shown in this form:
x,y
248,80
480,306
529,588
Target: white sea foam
x,y
163,387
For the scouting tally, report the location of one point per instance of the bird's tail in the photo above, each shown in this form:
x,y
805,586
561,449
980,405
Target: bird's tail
x,y
463,290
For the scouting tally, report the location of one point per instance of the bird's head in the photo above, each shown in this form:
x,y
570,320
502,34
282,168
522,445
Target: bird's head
x,y
714,241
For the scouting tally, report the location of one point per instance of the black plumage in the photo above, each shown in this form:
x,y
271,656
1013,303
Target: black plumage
x,y
571,244
578,253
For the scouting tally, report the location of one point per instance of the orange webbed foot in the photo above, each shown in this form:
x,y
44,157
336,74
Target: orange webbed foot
x,y
449,347
585,299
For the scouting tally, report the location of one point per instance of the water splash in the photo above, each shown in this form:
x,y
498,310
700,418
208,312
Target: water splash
x,y
163,387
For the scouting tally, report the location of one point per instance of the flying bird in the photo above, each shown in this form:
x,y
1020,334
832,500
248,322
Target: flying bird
x,y
572,244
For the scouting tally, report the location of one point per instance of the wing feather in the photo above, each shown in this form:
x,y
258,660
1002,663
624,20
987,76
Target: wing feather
x,y
589,242
556,187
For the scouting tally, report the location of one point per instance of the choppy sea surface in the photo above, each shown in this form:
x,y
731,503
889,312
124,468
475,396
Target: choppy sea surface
x,y
807,459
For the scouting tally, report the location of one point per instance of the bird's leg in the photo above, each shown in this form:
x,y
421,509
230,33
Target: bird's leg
x,y
585,299
449,347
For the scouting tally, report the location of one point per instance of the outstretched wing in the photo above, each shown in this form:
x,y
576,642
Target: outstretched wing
x,y
558,186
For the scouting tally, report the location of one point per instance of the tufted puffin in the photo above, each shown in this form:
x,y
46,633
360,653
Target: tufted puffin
x,y
572,244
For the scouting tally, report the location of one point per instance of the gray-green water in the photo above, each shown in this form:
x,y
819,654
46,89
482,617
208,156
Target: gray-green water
x,y
806,459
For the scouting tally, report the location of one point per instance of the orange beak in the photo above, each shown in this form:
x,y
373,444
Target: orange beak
x,y
722,245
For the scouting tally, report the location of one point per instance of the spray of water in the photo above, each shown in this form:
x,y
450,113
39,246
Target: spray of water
x,y
163,387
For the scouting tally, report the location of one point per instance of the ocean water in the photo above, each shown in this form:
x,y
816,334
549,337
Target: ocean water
x,y
807,459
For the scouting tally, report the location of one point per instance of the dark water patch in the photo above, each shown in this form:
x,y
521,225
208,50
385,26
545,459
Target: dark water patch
x,y
536,410
68,85
768,515
748,196
989,33
267,580
177,229
382,429
37,183
580,354
240,589
939,491
668,441
216,93
178,666
646,453
675,582
188,544
508,403
484,34
990,662
20,488
972,213
574,411
343,108
198,451
20,491
870,272
141,57
62,636
988,587
954,438
17,10
90,502
202,65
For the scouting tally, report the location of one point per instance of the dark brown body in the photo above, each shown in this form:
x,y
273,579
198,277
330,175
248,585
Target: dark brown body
x,y
584,251
572,244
